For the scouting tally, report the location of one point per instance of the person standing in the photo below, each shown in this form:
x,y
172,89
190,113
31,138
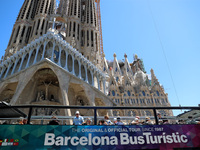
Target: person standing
x,y
106,118
160,119
78,120
135,122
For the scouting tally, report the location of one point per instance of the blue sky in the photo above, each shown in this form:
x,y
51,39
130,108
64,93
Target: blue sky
x,y
148,28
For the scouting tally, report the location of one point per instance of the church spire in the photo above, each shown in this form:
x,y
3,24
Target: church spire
x,y
154,80
32,22
82,28
127,67
22,27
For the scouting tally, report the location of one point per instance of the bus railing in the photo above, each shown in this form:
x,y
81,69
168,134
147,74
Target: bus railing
x,y
95,108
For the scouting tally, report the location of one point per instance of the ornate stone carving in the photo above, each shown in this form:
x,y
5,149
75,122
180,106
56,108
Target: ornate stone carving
x,y
73,42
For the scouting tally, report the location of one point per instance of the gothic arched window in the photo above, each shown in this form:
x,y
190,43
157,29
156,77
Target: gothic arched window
x,y
143,93
113,92
129,93
157,93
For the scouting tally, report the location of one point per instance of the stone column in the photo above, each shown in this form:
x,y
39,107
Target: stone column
x,y
92,78
64,81
73,65
104,87
99,87
59,57
15,65
9,66
22,62
29,58
44,49
66,64
86,76
79,64
53,51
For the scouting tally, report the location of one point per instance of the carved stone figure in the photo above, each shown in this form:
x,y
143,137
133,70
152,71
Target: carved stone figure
x,y
73,42
46,89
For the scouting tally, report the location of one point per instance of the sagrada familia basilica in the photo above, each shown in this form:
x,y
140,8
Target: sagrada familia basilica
x,y
55,57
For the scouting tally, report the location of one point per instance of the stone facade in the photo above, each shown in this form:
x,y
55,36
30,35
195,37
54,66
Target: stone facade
x,y
53,58
129,85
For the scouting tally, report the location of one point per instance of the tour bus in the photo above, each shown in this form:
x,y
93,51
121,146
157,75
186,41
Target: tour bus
x,y
36,134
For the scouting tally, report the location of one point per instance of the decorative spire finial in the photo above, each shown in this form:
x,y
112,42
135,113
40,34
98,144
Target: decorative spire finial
x,y
125,55
136,57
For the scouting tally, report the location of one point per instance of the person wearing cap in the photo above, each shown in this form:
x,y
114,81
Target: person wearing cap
x,y
135,121
119,122
78,120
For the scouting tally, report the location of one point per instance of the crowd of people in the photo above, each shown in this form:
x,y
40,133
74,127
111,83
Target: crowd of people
x,y
79,120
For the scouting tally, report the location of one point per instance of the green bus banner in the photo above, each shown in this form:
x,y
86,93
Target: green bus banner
x,y
61,137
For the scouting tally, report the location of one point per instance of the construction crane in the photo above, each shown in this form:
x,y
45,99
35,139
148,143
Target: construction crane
x,y
100,28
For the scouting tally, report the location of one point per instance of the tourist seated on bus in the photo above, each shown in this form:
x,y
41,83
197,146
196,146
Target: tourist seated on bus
x,y
102,122
148,121
78,120
88,121
191,120
135,122
23,121
160,119
119,122
54,121
106,118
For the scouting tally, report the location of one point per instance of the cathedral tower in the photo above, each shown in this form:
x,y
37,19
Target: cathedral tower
x,y
82,27
32,22
42,18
